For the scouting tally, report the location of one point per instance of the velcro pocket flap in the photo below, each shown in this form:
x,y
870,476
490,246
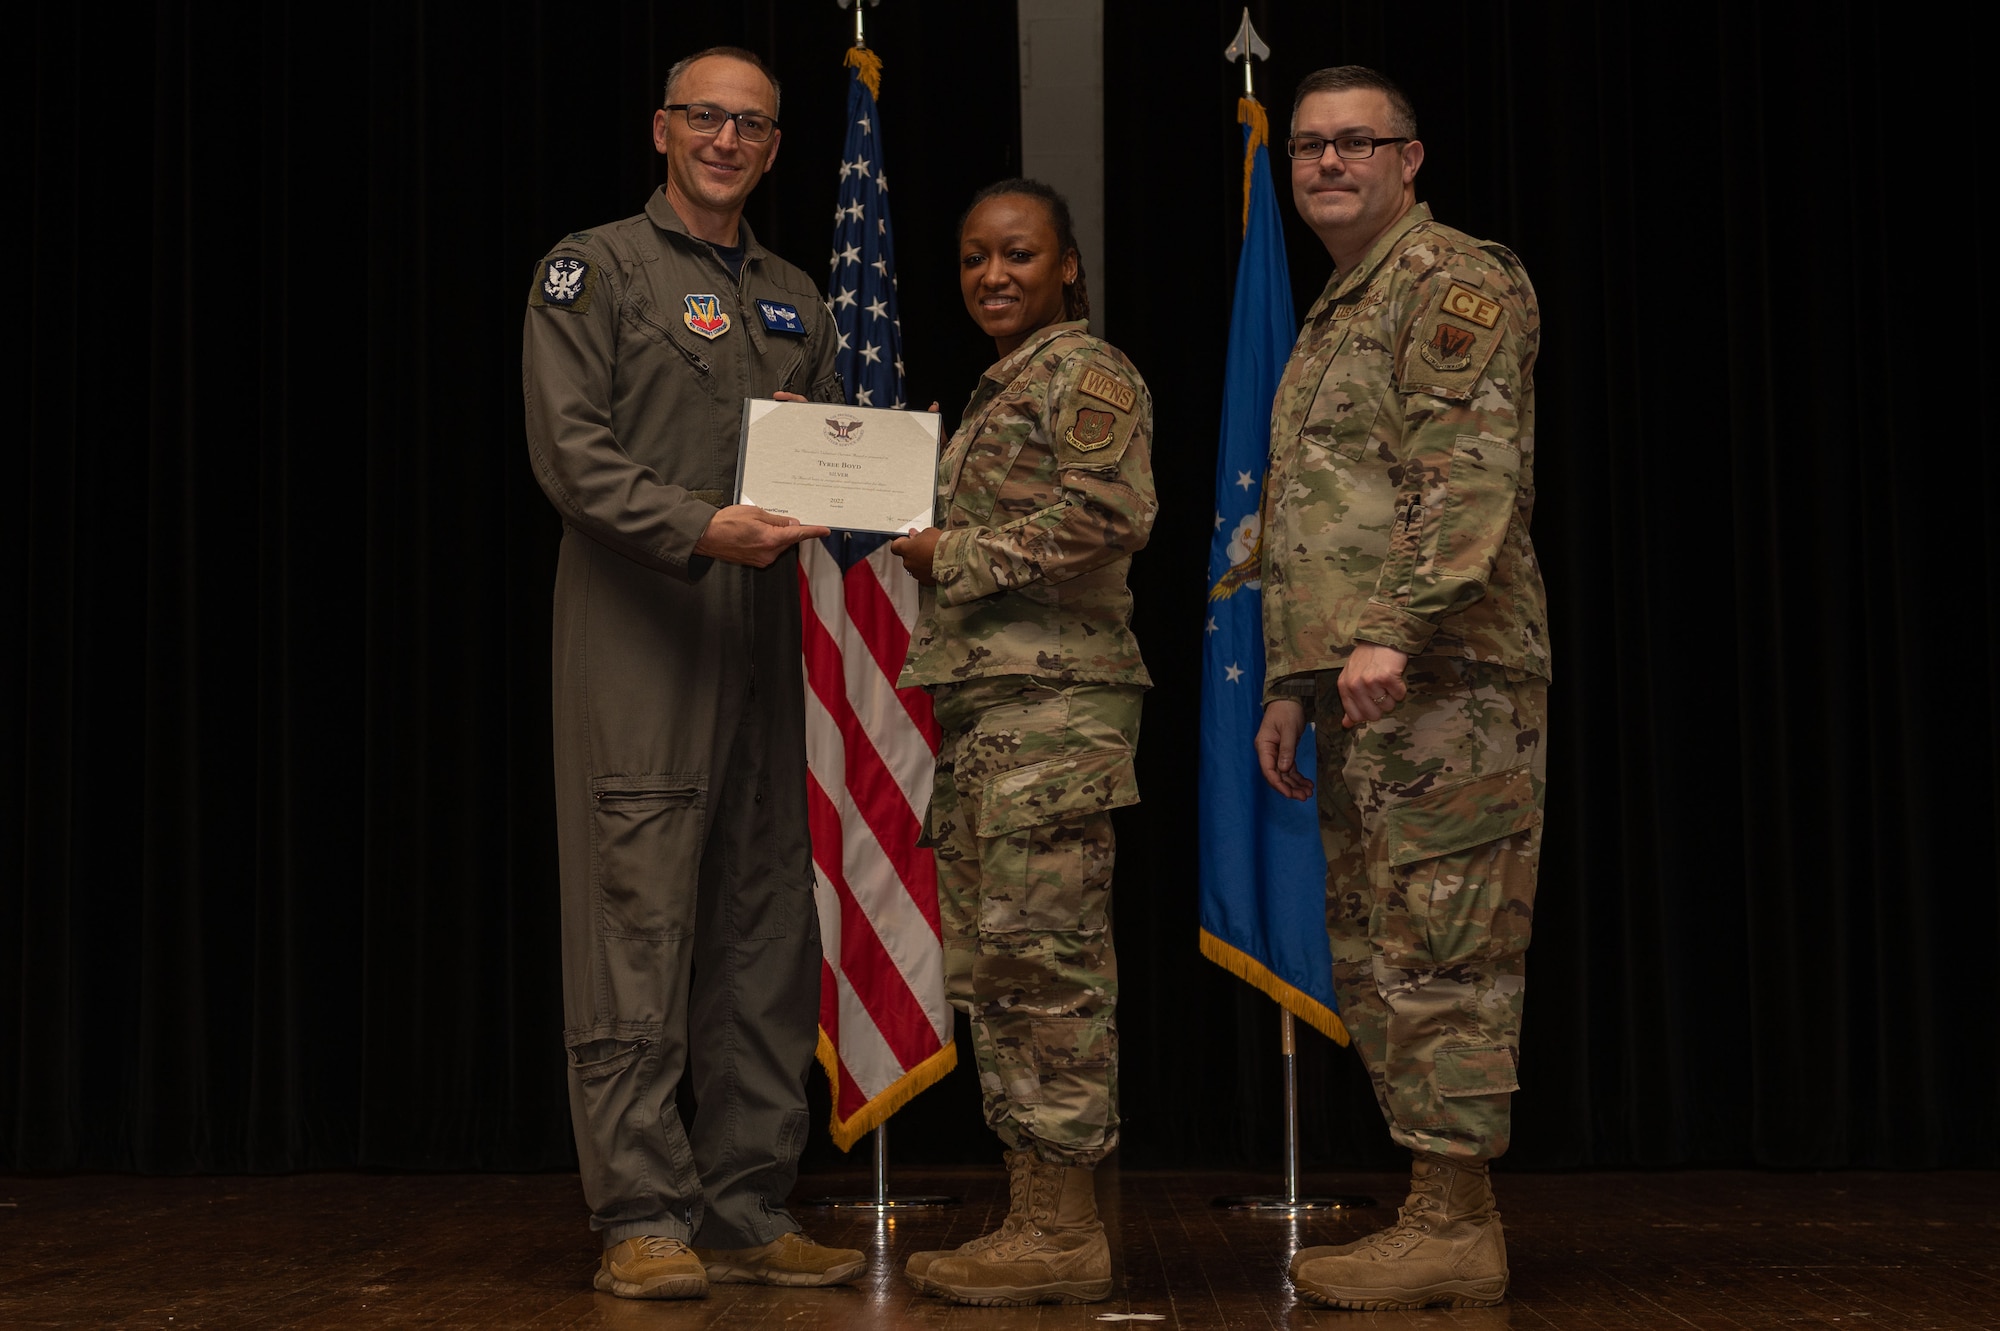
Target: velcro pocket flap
x,y
1058,788
1458,817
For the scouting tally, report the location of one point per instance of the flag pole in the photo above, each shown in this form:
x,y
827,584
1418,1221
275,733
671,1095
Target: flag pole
x,y
1246,46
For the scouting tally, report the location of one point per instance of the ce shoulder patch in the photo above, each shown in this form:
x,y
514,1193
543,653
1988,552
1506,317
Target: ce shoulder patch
x,y
565,283
1454,343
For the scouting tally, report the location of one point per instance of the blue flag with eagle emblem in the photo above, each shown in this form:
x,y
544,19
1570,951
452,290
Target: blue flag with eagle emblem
x,y
1263,872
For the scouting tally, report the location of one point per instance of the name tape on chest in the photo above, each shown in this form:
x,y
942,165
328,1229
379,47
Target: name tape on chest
x,y
1471,306
781,318
1107,388
705,315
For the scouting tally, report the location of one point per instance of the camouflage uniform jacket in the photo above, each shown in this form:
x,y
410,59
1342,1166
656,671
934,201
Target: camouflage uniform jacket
x,y
1044,494
1402,471
633,416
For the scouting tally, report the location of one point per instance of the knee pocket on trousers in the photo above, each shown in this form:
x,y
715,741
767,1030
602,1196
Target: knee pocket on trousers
x,y
645,848
1073,1043
1475,1070
598,1060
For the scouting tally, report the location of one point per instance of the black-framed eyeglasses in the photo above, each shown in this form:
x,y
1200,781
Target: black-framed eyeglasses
x,y
1354,147
751,126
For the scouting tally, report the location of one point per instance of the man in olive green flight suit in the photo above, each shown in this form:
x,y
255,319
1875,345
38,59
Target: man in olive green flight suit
x,y
690,942
1403,605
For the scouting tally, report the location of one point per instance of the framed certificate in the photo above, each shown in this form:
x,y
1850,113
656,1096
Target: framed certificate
x,y
853,468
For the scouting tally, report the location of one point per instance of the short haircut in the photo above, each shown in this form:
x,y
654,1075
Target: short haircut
x,y
1345,78
1076,295
751,58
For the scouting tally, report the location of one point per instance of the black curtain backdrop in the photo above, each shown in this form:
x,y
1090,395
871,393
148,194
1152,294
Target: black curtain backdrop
x,y
279,885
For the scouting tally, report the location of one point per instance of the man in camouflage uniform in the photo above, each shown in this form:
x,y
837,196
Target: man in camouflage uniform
x,y
690,943
1025,641
1403,604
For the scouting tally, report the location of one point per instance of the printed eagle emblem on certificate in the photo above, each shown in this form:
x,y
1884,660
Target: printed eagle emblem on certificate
x,y
867,469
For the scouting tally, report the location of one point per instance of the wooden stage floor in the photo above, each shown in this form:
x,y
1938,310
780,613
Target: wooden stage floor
x,y
1609,1252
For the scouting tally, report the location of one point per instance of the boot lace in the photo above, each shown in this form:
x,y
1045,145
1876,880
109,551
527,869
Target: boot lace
x,y
655,1245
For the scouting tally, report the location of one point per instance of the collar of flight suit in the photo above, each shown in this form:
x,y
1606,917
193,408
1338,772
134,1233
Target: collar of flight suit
x,y
664,217
1388,243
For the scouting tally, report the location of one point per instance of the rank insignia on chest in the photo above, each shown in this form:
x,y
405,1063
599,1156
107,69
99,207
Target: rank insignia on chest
x,y
565,284
1091,431
781,318
704,315
1449,348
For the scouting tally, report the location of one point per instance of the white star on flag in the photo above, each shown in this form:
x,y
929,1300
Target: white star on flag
x,y
1235,672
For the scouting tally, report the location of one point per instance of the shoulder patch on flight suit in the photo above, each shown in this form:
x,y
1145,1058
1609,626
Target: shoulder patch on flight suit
x,y
564,283
1453,343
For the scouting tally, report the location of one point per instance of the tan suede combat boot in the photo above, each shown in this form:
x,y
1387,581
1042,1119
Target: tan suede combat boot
x,y
651,1267
1445,1249
916,1268
1057,1252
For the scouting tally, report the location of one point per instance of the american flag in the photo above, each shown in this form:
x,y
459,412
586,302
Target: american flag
x,y
885,1031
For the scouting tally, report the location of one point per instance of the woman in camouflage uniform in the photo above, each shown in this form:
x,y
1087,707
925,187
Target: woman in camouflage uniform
x,y
1025,642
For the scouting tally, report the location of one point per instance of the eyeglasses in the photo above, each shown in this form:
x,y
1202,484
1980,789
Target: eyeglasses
x,y
751,126
1354,147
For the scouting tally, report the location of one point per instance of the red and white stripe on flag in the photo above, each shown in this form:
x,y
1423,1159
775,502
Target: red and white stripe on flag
x,y
885,1030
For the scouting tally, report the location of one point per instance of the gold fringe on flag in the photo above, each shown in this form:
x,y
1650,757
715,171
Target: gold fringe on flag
x,y
1249,111
1289,997
900,1092
870,65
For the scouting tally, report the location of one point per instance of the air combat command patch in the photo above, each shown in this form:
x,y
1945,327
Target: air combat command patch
x,y
704,315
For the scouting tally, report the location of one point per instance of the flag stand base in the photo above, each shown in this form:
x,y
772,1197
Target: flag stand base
x,y
1290,1202
1272,1202
882,1201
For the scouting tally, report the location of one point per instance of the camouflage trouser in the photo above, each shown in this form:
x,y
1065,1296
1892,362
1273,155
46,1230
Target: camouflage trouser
x,y
1020,821
1432,819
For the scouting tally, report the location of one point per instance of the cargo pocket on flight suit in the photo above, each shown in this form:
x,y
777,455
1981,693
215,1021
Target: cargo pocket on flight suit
x,y
1033,892
1445,852
645,849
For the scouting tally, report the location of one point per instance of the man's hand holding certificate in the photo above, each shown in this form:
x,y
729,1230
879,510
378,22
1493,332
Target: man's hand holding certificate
x,y
854,468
